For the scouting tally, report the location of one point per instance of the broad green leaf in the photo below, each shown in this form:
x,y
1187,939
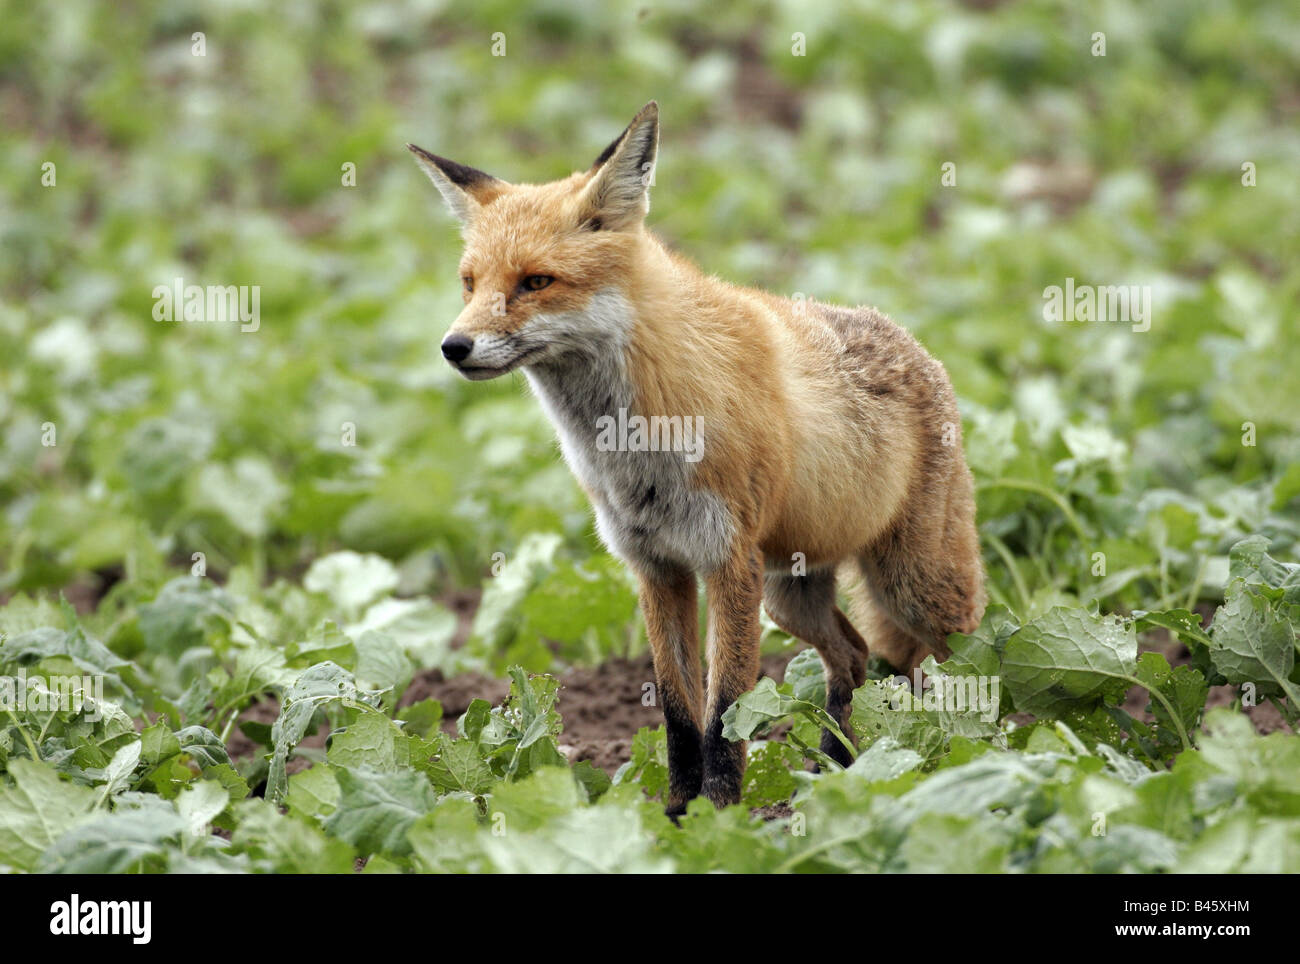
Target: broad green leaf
x,y
457,766
375,808
586,840
184,614
285,845
201,804
1068,656
36,809
313,793
318,686
881,710
1251,642
351,580
807,677
369,739
885,760
116,843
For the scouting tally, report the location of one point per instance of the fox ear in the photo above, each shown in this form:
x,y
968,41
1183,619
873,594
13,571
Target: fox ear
x,y
465,189
618,194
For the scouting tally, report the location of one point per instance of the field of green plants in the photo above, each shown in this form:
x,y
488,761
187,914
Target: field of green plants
x,y
270,546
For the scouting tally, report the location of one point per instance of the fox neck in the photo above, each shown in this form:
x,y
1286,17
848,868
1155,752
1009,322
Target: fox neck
x,y
591,377
647,510
596,371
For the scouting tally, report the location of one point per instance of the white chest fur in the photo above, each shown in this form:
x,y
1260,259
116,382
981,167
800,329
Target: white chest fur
x,y
647,509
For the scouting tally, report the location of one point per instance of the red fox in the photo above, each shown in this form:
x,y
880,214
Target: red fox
x,y
831,443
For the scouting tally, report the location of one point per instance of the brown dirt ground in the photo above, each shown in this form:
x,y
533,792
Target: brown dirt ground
x,y
601,707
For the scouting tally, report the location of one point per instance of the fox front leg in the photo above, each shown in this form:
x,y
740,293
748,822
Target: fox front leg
x,y
668,602
735,592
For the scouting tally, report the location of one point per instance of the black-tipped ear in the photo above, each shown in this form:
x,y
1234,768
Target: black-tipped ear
x,y
608,152
465,189
618,193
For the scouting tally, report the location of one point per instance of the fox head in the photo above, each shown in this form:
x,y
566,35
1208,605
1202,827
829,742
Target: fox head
x,y
537,256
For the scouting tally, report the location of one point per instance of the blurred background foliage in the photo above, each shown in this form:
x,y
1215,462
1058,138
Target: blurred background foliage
x,y
817,174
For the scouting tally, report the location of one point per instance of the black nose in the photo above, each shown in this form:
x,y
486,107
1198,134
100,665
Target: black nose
x,y
456,347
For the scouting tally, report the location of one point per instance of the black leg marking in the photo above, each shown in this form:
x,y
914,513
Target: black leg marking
x,y
724,763
685,759
838,699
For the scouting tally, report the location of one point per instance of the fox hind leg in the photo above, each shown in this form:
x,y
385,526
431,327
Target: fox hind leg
x,y
804,606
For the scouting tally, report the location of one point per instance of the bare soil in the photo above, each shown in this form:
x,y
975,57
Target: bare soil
x,y
602,707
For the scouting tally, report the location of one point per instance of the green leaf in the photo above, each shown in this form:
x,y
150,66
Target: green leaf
x,y
382,665
369,739
764,705
770,773
1249,562
950,844
285,845
980,653
446,841
1251,642
350,579
885,760
420,627
1184,690
376,809
593,782
498,616
90,656
327,644
313,793
756,710
258,669
1183,624
1069,656
318,686
1244,843
648,764
806,676
116,843
184,615
36,809
422,719
200,805
881,710
158,743
116,776
246,493
603,839
1265,769
204,746
458,767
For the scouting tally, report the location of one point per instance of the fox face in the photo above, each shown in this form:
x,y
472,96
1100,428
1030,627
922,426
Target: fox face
x,y
544,263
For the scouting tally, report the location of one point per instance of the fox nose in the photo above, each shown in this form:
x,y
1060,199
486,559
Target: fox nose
x,y
456,347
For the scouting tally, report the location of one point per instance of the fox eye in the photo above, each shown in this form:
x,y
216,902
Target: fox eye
x,y
536,282
468,282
